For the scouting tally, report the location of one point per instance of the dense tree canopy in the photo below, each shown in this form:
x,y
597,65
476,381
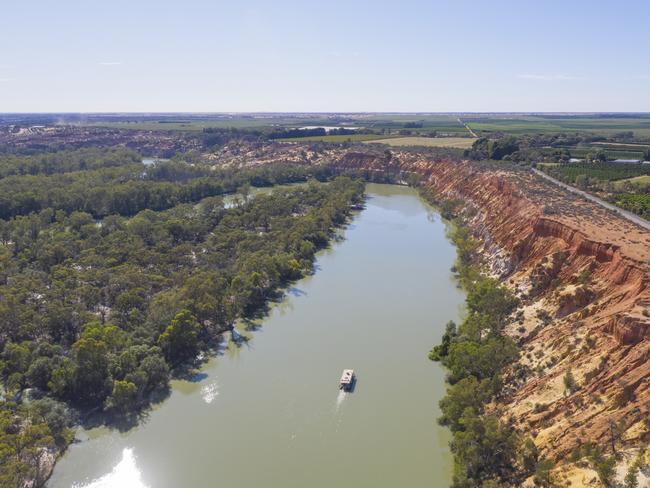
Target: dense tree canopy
x,y
113,274
78,294
50,163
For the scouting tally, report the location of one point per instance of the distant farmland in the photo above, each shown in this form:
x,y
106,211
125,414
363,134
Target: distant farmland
x,y
553,124
402,124
612,152
453,142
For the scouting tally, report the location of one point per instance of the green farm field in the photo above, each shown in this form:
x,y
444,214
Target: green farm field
x,y
513,124
425,123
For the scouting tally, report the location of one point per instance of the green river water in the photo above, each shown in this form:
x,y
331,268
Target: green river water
x,y
268,413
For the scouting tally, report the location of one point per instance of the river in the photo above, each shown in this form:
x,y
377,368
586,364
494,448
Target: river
x,y
268,412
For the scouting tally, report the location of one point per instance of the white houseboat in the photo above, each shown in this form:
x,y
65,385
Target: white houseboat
x,y
347,380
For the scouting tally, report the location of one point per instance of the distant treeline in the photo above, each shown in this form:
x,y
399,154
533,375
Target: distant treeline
x,y
67,161
220,136
214,136
315,132
128,189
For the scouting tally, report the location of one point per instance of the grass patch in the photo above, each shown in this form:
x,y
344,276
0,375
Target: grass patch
x,y
638,182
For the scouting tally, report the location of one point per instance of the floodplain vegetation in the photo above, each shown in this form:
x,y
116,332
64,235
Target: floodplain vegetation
x,y
486,450
101,302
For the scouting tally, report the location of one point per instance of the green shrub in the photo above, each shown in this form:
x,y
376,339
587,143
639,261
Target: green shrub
x,y
570,383
605,467
624,396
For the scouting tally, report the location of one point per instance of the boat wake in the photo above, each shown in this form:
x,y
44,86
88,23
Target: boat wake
x,y
340,399
124,475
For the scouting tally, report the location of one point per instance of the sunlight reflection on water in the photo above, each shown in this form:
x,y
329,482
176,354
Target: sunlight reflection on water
x,y
124,475
209,392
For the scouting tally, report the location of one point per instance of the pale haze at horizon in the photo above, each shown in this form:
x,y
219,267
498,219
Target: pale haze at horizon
x,y
199,55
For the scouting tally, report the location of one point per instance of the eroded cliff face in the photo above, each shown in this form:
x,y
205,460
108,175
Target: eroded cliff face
x,y
583,275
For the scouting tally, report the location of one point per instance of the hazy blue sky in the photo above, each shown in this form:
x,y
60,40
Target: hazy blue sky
x,y
352,55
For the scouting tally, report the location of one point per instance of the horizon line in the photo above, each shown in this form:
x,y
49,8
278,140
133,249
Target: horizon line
x,y
307,112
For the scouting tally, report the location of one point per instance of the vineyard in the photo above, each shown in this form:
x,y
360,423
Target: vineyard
x,y
600,171
637,203
630,191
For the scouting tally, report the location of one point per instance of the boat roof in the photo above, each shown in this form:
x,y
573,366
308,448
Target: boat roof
x,y
346,377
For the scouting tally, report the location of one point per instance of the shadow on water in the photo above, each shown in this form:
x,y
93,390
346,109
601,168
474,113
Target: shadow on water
x,y
296,292
353,386
191,370
251,325
198,377
94,418
240,340
90,418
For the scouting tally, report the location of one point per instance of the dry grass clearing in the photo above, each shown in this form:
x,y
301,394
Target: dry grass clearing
x,y
455,142
638,182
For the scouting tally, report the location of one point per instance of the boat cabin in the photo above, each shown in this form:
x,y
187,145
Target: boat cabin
x,y
347,379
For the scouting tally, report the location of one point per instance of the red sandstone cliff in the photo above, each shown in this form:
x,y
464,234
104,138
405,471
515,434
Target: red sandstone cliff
x,y
588,270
